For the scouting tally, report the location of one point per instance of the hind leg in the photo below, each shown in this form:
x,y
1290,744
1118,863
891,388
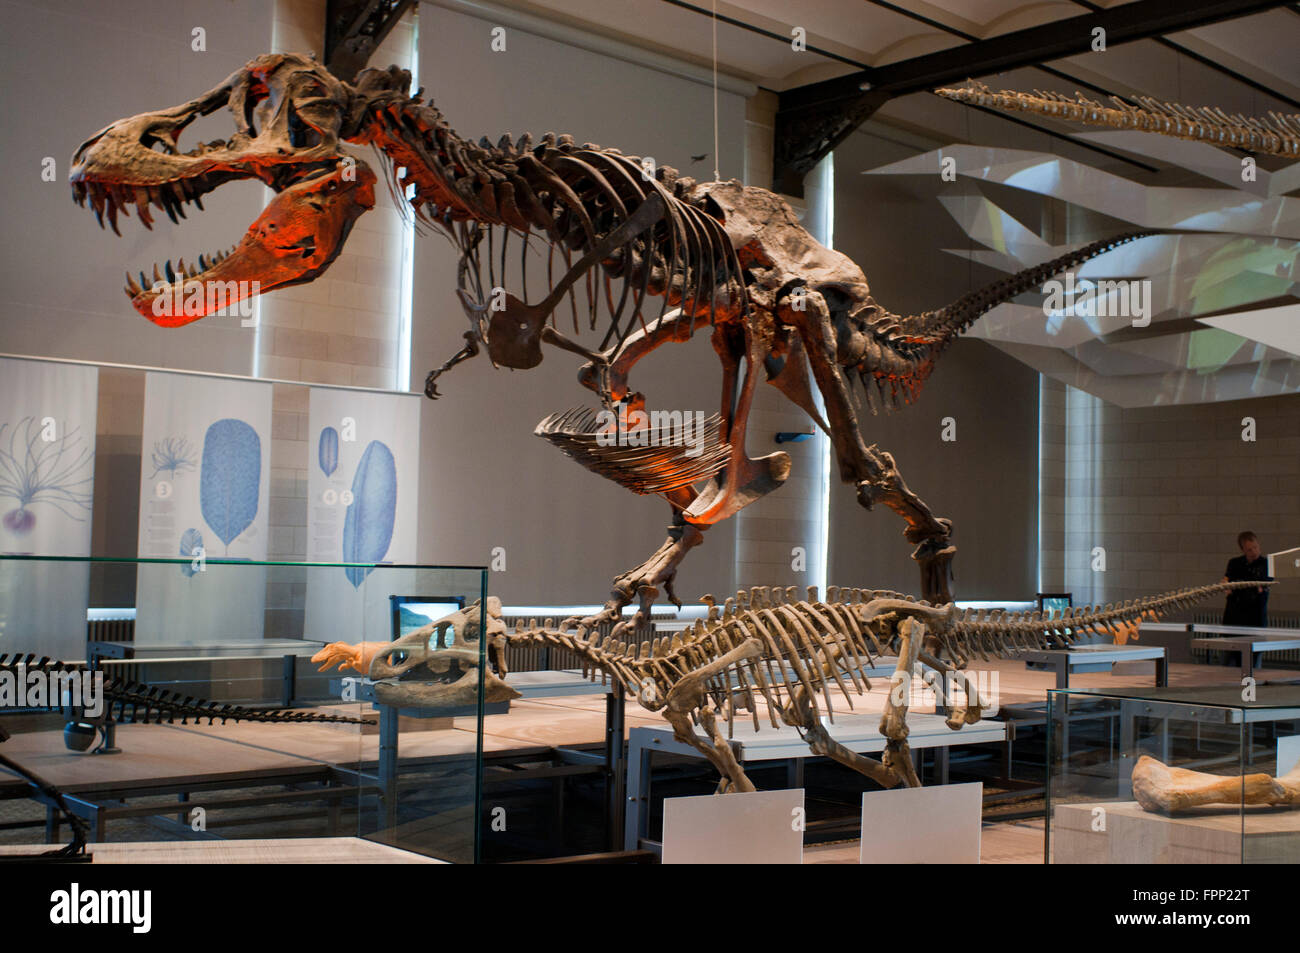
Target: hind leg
x,y
719,753
801,713
741,482
872,470
893,724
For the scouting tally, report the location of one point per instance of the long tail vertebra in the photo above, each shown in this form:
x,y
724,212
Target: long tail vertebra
x,y
993,633
913,343
136,702
1277,135
948,322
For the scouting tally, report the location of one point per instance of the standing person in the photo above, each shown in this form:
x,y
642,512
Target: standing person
x,y
1247,606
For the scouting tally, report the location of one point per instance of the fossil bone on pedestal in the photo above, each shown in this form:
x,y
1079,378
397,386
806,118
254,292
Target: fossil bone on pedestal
x,y
1288,786
1165,790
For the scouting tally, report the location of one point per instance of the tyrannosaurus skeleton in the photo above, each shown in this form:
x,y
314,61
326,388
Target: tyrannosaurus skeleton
x,y
721,255
765,653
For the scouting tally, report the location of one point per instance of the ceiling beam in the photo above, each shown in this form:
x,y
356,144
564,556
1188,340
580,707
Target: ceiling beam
x,y
811,120
1211,64
354,29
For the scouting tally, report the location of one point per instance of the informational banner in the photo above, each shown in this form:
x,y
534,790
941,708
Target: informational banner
x,y
362,505
204,487
47,471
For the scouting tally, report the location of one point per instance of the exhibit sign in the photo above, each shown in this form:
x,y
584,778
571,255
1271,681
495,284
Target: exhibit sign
x,y
754,827
204,486
363,480
47,469
934,825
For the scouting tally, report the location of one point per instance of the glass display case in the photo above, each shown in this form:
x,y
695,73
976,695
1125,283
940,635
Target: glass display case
x,y
1184,775
134,731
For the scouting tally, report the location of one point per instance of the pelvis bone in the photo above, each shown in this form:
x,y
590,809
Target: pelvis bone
x,y
1161,789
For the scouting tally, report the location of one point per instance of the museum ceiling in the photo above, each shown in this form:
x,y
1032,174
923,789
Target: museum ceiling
x,y
844,35
1223,304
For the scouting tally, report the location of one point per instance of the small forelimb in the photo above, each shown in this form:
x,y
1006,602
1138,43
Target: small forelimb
x,y
470,349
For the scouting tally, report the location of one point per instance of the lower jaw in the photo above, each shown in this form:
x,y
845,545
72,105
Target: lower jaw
x,y
427,694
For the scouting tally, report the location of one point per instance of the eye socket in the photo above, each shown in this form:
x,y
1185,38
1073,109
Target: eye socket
x,y
398,658
158,144
301,135
448,638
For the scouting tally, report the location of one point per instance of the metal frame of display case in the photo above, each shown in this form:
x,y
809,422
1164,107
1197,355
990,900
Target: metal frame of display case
x,y
101,802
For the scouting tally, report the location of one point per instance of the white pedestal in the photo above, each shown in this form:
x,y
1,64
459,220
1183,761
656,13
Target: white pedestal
x,y
1209,836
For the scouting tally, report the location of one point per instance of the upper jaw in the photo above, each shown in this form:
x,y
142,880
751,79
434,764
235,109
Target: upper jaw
x,y
113,170
138,159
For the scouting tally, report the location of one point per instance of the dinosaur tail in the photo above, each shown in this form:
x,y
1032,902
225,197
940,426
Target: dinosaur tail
x,y
987,633
1277,135
945,324
132,701
912,344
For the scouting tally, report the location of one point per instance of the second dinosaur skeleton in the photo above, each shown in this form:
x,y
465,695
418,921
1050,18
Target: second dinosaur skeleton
x,y
764,655
1278,135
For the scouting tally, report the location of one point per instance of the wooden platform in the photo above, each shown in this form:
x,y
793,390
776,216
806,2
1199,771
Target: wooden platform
x,y
1002,842
288,850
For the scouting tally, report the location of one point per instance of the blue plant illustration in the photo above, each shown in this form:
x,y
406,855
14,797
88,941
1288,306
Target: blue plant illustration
x,y
172,455
35,470
191,548
230,478
368,525
328,454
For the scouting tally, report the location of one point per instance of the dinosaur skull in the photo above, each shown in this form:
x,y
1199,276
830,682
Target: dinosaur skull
x,y
437,666
290,115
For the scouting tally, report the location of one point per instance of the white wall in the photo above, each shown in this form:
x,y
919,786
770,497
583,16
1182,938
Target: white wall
x,y
487,480
69,68
986,481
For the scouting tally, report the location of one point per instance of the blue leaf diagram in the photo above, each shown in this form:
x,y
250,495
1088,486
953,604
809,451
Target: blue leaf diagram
x,y
229,478
368,525
329,451
191,540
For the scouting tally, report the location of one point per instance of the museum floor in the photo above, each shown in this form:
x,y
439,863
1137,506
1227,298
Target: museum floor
x,y
531,727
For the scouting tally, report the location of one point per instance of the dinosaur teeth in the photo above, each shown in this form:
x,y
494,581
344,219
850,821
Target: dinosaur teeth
x,y
168,205
112,212
97,202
